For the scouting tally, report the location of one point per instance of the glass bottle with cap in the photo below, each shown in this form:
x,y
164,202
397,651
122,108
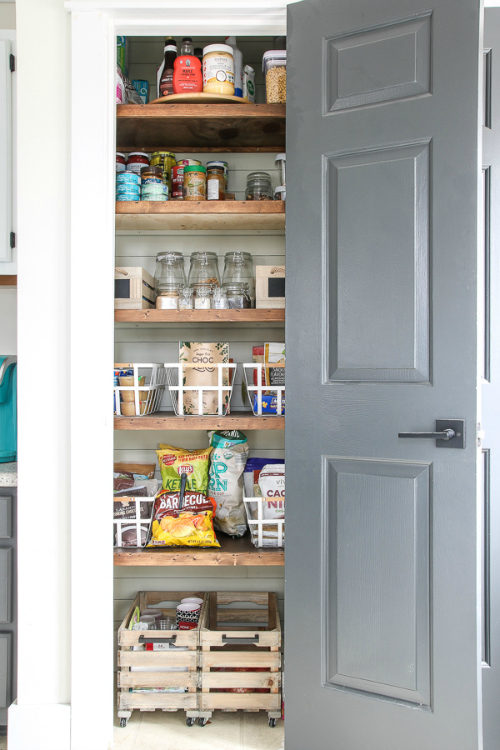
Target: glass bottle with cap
x,y
259,187
166,86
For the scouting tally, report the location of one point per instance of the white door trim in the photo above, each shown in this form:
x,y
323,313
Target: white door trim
x,y
95,26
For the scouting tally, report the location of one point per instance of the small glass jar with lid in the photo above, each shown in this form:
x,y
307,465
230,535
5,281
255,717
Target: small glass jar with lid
x,y
185,298
259,187
238,268
216,184
202,296
219,299
170,269
238,297
168,297
204,269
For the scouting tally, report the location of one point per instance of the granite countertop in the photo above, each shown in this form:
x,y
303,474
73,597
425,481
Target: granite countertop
x,y
8,475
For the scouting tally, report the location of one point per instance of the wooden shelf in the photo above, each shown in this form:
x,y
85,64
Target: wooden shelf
x,y
200,127
234,552
253,318
151,215
242,420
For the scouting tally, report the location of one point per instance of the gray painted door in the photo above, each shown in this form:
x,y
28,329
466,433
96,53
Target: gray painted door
x,y
491,382
382,634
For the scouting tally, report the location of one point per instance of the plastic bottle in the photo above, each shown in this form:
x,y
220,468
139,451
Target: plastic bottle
x,y
165,85
188,77
238,65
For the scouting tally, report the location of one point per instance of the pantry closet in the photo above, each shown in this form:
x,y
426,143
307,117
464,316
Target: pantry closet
x,y
375,660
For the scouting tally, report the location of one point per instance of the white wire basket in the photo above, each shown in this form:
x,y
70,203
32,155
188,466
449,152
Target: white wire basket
x,y
145,393
135,524
209,400
264,400
265,532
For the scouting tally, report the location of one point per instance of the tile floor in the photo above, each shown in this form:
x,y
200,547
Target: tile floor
x,y
227,731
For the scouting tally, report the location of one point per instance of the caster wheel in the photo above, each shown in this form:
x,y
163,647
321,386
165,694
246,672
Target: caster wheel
x,y
272,723
202,722
190,721
123,723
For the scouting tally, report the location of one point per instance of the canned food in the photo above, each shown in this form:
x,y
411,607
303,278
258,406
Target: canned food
x,y
195,183
136,160
188,163
128,178
120,162
127,190
160,189
155,197
128,197
177,183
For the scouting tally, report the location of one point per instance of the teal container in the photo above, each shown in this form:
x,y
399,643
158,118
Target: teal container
x,y
8,409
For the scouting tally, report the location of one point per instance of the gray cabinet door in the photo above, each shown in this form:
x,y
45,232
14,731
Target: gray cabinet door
x,y
382,634
490,391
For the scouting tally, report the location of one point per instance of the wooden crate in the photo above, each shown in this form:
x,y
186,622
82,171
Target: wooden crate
x,y
248,637
270,287
128,658
134,289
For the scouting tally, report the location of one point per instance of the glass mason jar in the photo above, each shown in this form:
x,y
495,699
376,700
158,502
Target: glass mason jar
x,y
202,296
170,269
219,299
185,298
259,187
238,268
168,297
237,294
204,269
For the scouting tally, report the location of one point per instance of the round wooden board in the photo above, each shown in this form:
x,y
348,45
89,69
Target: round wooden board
x,y
200,99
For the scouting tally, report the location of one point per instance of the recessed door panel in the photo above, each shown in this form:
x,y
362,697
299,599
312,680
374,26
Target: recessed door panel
x,y
375,65
377,566
377,258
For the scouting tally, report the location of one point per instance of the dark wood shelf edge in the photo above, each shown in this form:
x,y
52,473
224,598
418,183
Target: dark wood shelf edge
x,y
200,316
169,421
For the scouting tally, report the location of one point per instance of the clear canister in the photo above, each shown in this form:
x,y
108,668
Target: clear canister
x,y
204,269
170,269
238,297
274,69
167,297
259,187
238,269
202,294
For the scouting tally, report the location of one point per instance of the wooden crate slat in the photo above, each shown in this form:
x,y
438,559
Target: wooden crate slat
x,y
263,701
242,679
158,658
248,659
157,679
266,639
153,701
169,421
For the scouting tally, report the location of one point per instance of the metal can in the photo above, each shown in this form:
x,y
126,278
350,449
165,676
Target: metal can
x,y
188,163
160,189
128,178
131,189
177,183
128,197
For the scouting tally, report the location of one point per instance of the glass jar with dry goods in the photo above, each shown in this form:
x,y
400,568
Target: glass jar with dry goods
x,y
216,185
259,187
168,297
219,299
202,295
204,269
170,269
195,183
274,69
185,298
238,268
237,295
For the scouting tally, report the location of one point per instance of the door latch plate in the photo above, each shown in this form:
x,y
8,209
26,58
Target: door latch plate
x,y
455,424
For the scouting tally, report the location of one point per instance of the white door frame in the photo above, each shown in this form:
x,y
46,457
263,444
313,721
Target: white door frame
x,y
95,25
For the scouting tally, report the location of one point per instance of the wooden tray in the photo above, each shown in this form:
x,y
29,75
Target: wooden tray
x,y
200,99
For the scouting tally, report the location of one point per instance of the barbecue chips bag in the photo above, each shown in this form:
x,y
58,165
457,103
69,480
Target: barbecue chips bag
x,y
191,526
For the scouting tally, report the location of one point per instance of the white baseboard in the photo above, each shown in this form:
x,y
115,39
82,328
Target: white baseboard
x,y
41,727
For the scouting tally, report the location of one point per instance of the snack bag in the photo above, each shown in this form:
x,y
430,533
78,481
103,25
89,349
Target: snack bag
x,y
190,526
272,487
175,461
230,453
253,468
274,354
204,356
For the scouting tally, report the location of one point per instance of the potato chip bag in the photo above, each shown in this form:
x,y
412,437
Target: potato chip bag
x,y
191,526
176,461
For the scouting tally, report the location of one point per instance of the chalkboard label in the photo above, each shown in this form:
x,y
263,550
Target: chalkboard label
x,y
122,288
276,287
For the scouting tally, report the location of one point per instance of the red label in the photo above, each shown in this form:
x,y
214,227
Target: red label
x,y
187,75
169,459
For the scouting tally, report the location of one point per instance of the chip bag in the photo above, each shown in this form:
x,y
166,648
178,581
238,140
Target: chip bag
x,y
191,526
176,461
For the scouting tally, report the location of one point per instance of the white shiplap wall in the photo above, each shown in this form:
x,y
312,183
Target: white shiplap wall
x,y
159,344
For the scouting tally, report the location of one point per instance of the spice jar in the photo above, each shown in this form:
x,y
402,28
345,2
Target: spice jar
x,y
259,187
195,183
120,162
185,298
218,69
170,269
238,297
274,68
238,269
216,184
136,160
177,183
168,297
219,299
204,269
222,164
202,296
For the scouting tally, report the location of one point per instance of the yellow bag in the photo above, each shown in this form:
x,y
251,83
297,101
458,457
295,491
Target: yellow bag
x,y
176,461
192,526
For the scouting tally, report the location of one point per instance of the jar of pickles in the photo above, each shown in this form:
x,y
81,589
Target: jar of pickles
x,y
238,268
165,160
170,269
204,269
259,187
